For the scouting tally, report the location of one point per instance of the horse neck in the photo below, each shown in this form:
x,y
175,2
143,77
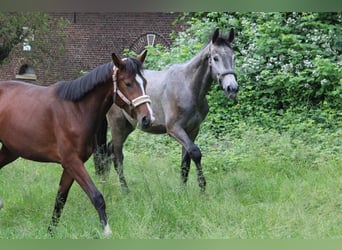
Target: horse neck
x,y
199,73
97,103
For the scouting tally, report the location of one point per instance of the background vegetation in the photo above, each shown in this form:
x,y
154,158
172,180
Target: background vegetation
x,y
36,29
272,160
288,67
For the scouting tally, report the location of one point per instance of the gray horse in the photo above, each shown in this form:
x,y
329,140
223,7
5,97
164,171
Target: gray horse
x,y
179,102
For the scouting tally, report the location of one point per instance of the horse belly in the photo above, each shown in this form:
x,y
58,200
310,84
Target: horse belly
x,y
155,129
33,146
27,135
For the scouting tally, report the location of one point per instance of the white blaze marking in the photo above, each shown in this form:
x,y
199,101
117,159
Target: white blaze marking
x,y
141,84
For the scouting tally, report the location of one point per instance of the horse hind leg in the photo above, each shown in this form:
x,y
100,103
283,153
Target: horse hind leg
x,y
185,166
101,161
118,158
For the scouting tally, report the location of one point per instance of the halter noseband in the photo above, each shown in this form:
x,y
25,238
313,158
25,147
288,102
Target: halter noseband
x,y
135,102
229,72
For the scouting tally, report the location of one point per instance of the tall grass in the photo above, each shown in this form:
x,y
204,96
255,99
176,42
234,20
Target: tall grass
x,y
260,185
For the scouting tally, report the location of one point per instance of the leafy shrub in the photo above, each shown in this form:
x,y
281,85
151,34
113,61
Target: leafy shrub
x,y
287,64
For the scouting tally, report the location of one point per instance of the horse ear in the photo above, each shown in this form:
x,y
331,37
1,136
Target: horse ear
x,y
116,60
215,35
231,35
142,56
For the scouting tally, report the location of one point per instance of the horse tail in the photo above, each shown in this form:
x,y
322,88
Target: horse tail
x,y
101,159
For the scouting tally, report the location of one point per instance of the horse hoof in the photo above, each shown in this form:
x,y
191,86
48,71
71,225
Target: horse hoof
x,y
107,231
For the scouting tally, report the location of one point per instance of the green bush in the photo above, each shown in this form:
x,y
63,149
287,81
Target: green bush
x,y
288,67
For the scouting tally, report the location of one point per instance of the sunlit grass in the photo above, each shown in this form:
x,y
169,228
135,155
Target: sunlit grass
x,y
260,185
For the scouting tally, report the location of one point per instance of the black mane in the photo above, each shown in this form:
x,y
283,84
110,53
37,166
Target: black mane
x,y
74,90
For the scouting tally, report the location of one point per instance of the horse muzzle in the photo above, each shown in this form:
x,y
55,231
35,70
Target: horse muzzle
x,y
229,84
146,120
231,91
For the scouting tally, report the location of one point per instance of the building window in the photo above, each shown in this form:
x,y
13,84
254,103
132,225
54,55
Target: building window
x,y
26,73
150,39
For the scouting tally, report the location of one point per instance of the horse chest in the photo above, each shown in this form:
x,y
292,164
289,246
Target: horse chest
x,y
198,117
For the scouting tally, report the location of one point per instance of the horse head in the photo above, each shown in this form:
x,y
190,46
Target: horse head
x,y
221,61
130,88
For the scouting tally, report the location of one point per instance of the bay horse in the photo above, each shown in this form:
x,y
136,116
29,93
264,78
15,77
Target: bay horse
x,y
58,123
179,102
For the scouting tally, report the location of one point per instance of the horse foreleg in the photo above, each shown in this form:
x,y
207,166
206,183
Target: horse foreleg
x,y
62,195
200,177
6,156
80,174
196,155
197,159
192,150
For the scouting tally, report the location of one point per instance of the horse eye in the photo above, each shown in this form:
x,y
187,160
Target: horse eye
x,y
216,58
128,84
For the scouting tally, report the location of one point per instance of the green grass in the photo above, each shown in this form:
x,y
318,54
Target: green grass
x,y
260,185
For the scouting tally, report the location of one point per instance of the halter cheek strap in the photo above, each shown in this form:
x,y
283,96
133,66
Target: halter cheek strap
x,y
135,102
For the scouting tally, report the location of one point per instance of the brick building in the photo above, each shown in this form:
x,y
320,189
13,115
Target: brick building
x,y
88,41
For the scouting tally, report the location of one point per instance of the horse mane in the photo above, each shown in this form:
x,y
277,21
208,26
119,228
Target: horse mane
x,y
74,90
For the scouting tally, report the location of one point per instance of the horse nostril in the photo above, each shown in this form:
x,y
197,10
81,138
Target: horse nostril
x,y
232,89
145,122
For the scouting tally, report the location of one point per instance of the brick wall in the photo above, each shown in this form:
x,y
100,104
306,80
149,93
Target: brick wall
x,y
89,39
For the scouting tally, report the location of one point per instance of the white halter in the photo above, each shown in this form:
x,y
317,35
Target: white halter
x,y
135,102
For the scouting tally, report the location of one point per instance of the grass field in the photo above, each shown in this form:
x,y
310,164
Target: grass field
x,y
260,185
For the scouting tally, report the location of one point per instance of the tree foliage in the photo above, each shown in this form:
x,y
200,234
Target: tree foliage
x,y
288,66
38,29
